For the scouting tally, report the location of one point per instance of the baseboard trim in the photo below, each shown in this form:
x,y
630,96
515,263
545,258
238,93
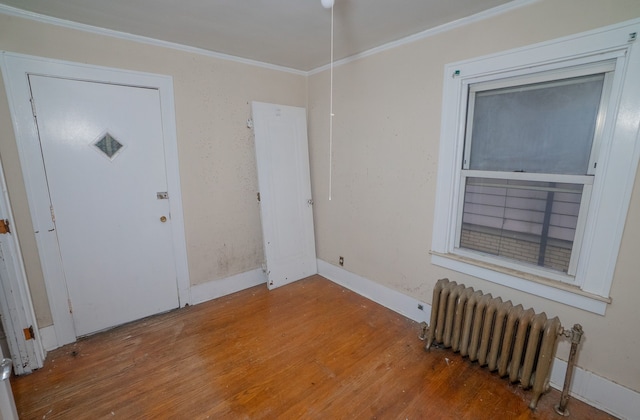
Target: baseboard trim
x,y
597,391
586,386
48,338
217,288
392,299
199,293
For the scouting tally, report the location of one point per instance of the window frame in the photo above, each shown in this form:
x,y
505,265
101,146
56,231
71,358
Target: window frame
x,y
616,153
556,77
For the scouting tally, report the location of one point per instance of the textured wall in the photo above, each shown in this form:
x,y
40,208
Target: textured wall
x,y
387,131
386,138
216,150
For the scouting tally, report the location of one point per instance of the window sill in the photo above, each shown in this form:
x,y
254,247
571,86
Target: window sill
x,y
525,282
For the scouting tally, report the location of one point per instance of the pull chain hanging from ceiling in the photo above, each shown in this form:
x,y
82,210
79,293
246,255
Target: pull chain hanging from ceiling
x,y
329,4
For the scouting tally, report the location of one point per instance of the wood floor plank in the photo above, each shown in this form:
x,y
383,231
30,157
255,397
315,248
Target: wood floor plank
x,y
311,349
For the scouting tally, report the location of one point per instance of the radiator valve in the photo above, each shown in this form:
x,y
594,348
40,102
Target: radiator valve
x,y
575,335
423,330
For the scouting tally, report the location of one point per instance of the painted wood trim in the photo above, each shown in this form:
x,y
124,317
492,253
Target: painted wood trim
x,y
14,69
17,283
48,338
217,288
289,243
597,391
487,14
167,105
561,295
24,14
392,299
496,11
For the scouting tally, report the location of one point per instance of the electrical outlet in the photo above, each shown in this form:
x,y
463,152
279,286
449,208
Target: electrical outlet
x,y
341,261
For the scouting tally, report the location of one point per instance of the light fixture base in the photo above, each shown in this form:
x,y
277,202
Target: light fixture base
x,y
327,4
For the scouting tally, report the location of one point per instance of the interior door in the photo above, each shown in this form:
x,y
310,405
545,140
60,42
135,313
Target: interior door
x,y
103,155
286,206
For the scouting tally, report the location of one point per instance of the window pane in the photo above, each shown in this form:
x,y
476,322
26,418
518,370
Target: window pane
x,y
540,128
528,221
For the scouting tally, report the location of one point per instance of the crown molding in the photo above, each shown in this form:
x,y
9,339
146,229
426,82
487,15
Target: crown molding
x,y
23,14
507,7
489,13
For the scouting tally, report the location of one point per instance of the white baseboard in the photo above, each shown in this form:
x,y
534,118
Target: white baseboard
x,y
199,293
218,288
586,386
597,391
378,293
48,338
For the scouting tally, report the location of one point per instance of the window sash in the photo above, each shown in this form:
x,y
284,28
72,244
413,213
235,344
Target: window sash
x,y
557,78
553,78
585,180
544,76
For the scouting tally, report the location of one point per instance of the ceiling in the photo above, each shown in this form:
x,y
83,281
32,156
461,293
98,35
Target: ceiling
x,y
288,33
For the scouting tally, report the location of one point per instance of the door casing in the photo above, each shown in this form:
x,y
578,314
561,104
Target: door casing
x,y
15,69
15,302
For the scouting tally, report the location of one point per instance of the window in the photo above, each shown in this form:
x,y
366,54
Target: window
x,y
529,164
536,145
531,222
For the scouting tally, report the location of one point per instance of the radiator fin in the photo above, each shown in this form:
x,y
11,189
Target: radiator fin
x,y
517,343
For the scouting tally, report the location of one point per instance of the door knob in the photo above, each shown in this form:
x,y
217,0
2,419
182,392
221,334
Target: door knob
x,y
163,219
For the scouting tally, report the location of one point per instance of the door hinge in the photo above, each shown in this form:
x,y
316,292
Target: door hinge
x,y
258,196
4,226
70,307
28,333
53,215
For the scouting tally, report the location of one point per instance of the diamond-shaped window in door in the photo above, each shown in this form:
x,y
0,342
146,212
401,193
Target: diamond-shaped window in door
x,y
108,145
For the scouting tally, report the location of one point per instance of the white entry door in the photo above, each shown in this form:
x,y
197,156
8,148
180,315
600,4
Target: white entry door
x,y
102,146
286,205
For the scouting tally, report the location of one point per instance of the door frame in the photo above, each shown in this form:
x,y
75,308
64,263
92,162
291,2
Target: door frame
x,y
15,301
15,69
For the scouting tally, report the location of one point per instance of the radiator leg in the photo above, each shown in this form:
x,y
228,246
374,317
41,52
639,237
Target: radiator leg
x,y
576,336
423,331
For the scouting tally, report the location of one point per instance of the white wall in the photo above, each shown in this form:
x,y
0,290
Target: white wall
x,y
386,136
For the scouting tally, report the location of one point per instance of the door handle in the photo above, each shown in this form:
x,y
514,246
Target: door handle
x,y
163,219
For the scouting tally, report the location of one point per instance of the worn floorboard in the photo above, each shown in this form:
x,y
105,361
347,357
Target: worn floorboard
x,y
311,349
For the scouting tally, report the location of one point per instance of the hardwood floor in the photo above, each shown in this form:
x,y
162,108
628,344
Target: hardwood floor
x,y
311,349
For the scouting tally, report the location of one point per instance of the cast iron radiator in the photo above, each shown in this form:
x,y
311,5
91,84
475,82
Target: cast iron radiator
x,y
515,342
